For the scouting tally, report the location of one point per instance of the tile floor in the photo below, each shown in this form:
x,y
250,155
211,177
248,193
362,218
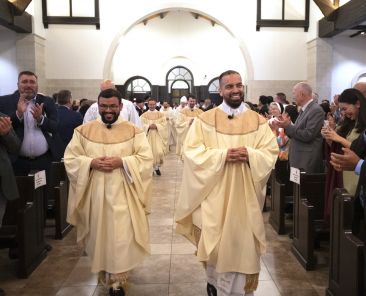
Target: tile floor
x,y
171,270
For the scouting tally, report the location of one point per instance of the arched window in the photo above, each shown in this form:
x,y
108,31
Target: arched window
x,y
137,87
214,91
179,81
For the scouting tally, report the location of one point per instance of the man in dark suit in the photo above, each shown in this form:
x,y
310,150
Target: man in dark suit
x,y
306,141
68,119
34,119
9,142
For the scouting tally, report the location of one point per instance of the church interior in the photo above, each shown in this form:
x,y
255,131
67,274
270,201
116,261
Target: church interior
x,y
170,49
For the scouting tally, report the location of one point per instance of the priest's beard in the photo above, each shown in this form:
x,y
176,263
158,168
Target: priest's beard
x,y
107,119
233,103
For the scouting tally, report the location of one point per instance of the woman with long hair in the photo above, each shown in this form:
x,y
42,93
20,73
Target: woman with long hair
x,y
353,108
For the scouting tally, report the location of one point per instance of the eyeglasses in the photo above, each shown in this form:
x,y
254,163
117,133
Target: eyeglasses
x,y
106,107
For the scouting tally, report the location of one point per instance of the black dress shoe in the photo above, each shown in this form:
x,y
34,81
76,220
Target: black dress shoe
x,y
211,290
117,292
158,172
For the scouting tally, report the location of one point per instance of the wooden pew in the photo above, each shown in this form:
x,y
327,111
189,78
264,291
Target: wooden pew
x,y
347,268
57,199
308,217
23,227
281,195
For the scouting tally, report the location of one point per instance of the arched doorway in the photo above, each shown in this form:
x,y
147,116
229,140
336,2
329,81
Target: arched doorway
x,y
179,81
178,89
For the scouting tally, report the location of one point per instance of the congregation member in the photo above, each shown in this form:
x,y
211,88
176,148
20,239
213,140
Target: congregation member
x,y
361,86
9,142
68,119
184,120
35,121
156,128
281,98
169,115
353,106
353,159
128,112
306,148
109,164
228,156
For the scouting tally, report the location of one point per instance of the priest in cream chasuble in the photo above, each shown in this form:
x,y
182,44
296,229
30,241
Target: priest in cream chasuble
x,y
156,129
109,164
184,120
228,156
169,115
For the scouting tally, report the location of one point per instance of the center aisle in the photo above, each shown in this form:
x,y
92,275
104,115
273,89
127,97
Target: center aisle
x,y
171,270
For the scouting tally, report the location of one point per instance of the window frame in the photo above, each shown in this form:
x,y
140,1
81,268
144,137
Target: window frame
x,y
71,20
283,23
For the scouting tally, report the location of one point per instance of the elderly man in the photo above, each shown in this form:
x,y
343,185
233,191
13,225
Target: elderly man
x,y
128,112
228,156
306,149
109,164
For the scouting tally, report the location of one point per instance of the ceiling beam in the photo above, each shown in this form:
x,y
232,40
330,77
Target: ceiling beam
x,y
19,24
346,17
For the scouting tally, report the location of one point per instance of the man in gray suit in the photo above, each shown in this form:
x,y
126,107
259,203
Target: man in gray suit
x,y
306,146
8,188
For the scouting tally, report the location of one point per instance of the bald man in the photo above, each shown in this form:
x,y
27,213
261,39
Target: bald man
x,y
128,111
306,149
361,86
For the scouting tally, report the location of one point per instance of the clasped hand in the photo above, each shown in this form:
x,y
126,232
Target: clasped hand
x,y
106,163
237,154
5,125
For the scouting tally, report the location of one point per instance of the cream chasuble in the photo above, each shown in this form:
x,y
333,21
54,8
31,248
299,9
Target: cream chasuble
x,y
158,138
109,209
183,122
225,199
169,115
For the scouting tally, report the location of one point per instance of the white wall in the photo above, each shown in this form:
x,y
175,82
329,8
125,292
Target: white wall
x,y
90,53
349,59
8,69
178,39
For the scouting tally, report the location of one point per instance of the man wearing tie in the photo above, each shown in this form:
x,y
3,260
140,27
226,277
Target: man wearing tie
x,y
306,141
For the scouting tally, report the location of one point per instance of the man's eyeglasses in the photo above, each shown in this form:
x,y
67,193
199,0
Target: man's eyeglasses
x,y
106,107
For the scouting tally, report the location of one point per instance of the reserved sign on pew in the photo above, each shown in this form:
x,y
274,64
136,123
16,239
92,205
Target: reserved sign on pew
x,y
295,175
39,179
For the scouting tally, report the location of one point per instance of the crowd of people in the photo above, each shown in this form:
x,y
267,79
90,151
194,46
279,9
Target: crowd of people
x,y
113,147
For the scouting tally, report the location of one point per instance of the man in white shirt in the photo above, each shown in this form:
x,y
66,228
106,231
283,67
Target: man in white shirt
x,y
128,111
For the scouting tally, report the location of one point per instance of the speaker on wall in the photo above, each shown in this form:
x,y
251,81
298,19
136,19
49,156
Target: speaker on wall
x,y
19,6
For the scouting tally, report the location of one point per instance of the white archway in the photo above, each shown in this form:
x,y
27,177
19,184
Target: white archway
x,y
107,73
